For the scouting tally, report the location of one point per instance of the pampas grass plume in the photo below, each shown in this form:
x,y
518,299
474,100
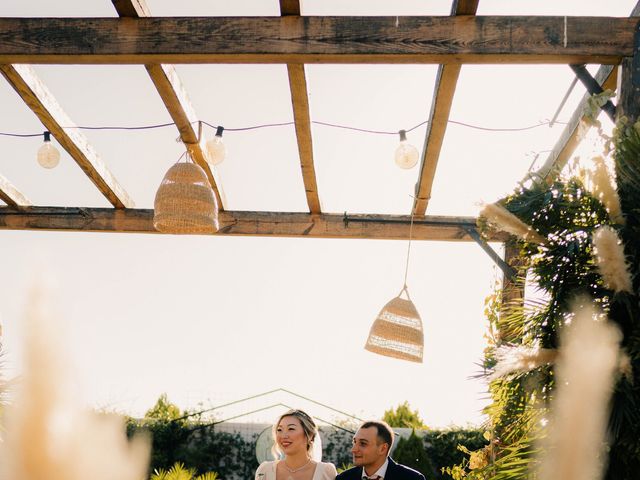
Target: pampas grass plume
x,y
520,359
49,434
508,222
609,257
603,188
573,448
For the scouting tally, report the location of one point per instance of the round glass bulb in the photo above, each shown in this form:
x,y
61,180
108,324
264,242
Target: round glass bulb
x,y
406,155
217,150
48,155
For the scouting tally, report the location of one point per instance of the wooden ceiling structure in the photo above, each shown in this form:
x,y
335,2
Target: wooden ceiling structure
x,y
136,37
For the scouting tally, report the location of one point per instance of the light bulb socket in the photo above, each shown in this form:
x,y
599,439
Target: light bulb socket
x,y
219,131
403,135
47,136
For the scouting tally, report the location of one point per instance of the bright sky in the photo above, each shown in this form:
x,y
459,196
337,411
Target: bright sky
x,y
213,319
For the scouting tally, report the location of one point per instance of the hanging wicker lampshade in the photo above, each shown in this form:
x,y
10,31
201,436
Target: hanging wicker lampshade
x,y
185,202
397,331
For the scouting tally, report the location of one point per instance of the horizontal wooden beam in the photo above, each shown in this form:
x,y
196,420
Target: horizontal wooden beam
x,y
295,39
11,195
42,102
276,224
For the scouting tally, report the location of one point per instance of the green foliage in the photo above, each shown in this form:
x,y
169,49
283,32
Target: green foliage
x,y
179,472
163,410
563,269
344,466
403,417
443,446
411,452
336,447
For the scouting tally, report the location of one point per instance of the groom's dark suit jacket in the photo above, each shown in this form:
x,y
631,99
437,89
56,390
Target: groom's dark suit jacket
x,y
395,471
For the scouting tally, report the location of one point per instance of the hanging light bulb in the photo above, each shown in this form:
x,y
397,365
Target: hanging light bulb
x,y
48,155
216,148
406,155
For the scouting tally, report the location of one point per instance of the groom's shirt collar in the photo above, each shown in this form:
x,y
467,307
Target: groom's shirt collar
x,y
381,472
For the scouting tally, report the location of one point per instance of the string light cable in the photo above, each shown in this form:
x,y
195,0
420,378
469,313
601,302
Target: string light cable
x,y
285,124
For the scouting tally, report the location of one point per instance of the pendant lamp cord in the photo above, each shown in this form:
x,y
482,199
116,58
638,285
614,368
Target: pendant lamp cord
x,y
406,269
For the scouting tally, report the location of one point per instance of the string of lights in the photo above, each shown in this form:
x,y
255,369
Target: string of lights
x,y
406,155
285,124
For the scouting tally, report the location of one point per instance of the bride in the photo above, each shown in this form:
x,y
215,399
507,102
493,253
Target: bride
x,y
294,434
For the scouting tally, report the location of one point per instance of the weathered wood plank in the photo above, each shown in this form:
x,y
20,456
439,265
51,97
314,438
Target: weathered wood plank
x,y
445,87
176,100
11,195
570,136
302,118
289,7
40,100
295,39
395,227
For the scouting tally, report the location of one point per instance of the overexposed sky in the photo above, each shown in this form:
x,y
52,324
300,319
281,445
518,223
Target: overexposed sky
x,y
212,319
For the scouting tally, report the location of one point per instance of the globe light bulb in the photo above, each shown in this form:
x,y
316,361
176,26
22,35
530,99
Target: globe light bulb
x,y
48,155
406,155
216,148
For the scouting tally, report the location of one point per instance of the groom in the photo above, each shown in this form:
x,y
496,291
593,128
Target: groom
x,y
371,445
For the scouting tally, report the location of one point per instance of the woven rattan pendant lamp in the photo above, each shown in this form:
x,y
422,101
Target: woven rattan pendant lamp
x,y
397,330
185,202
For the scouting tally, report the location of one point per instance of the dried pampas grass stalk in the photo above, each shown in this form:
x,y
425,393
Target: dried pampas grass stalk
x,y
520,359
49,434
507,221
602,188
574,446
609,257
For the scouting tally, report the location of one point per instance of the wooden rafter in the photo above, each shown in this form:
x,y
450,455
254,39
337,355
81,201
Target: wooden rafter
x,y
296,39
445,87
40,100
276,224
302,118
569,139
11,195
175,97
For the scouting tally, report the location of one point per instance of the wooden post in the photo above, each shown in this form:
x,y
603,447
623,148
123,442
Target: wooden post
x,y
512,297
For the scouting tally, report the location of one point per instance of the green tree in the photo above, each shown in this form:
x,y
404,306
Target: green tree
x,y
403,417
163,410
411,452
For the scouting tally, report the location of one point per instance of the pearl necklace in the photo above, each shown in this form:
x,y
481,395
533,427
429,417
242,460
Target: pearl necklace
x,y
294,470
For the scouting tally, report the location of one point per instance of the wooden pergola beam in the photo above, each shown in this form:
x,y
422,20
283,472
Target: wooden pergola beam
x,y
296,39
175,98
445,87
569,140
11,195
277,224
302,118
570,137
40,100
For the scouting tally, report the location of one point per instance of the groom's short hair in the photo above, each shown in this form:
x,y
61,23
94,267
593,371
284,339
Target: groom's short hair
x,y
385,433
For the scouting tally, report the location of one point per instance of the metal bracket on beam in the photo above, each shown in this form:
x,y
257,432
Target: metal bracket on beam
x,y
510,272
594,88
